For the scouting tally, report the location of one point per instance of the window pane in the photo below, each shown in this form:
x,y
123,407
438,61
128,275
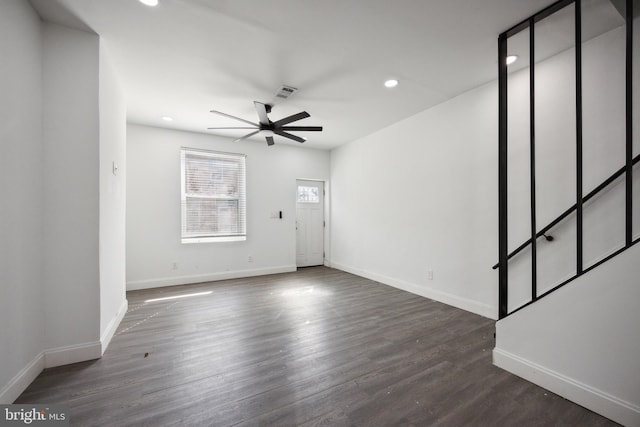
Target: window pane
x,y
308,194
212,217
212,177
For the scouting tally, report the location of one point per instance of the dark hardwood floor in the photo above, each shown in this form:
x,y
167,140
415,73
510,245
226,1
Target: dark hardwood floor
x,y
314,348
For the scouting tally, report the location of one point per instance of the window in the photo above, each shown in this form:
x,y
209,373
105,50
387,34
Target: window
x,y
213,196
308,194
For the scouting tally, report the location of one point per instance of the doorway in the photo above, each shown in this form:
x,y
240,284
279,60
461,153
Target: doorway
x,y
309,223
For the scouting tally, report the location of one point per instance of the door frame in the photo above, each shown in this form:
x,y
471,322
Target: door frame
x,y
327,219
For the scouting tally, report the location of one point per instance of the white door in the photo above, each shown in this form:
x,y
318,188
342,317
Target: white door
x,y
310,223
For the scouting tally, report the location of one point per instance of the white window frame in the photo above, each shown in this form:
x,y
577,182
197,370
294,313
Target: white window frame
x,y
240,197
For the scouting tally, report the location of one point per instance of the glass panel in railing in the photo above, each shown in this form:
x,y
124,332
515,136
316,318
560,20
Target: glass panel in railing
x,y
555,130
518,170
603,126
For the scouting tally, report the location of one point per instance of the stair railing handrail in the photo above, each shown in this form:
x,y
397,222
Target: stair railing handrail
x,y
568,212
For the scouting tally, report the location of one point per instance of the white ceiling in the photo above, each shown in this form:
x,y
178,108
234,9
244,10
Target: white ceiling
x,y
184,58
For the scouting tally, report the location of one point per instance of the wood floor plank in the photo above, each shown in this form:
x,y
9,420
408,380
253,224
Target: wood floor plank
x,y
318,347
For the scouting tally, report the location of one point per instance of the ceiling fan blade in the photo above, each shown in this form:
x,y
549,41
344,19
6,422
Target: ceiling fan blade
x,y
303,128
249,135
295,117
262,112
269,141
234,117
235,128
288,135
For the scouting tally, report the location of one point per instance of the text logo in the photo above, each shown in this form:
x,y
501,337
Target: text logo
x,y
34,415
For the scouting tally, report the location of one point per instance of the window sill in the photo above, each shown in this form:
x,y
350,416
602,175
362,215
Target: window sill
x,y
189,240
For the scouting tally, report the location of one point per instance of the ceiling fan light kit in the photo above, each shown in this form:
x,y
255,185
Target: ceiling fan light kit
x,y
267,128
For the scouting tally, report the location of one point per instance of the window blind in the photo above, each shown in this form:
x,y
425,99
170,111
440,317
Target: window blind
x,y
213,196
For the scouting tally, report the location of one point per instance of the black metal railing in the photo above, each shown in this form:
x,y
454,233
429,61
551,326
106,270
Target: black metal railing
x,y
503,254
547,228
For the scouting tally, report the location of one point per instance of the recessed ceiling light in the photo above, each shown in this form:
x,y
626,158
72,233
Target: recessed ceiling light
x,y
167,118
149,2
391,83
511,59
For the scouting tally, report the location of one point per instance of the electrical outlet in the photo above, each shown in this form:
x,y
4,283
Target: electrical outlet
x,y
429,274
250,258
174,265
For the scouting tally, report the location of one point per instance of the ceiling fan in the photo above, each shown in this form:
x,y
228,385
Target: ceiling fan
x,y
268,128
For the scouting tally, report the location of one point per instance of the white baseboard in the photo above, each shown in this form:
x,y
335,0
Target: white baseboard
x,y
618,410
209,277
21,381
110,330
47,359
72,354
424,291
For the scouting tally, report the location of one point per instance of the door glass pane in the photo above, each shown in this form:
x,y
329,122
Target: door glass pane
x,y
308,194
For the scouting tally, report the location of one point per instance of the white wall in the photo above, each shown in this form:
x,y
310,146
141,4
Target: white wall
x,y
112,198
71,187
446,190
582,342
21,194
50,284
422,195
153,209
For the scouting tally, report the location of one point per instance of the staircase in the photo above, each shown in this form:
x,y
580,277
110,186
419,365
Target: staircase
x,y
569,204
